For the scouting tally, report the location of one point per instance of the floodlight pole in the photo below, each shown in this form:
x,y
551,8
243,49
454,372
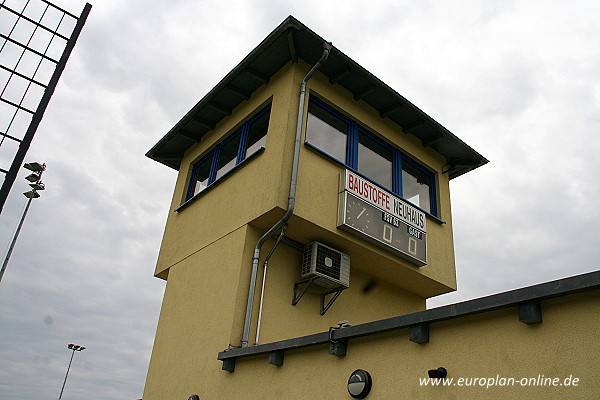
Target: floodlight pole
x,y
14,240
74,348
36,177
67,374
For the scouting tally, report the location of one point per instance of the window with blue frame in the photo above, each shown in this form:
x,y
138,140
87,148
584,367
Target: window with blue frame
x,y
344,140
245,142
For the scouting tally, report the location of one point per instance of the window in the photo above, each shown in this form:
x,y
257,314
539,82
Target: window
x,y
343,139
247,140
202,173
257,135
416,186
327,132
228,156
374,160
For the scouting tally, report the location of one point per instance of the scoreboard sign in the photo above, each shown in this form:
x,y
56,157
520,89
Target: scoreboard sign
x,y
374,214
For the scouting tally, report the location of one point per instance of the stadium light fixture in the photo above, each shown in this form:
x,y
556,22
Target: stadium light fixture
x,y
74,348
36,183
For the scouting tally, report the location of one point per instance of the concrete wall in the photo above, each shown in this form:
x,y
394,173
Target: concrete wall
x,y
480,346
205,299
490,345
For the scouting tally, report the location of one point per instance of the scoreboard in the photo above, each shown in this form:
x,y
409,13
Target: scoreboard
x,y
379,217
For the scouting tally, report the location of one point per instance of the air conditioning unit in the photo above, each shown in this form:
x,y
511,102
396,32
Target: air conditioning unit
x,y
331,267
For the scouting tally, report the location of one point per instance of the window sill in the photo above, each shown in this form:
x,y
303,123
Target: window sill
x,y
343,165
221,179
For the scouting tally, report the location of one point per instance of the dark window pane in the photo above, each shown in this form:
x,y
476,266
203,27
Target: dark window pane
x,y
201,174
257,135
416,186
228,156
374,161
326,132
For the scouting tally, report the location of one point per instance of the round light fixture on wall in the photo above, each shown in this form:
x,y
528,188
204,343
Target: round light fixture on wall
x,y
194,397
359,384
440,373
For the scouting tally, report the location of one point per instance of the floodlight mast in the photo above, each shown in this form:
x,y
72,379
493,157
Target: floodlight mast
x,y
74,348
36,183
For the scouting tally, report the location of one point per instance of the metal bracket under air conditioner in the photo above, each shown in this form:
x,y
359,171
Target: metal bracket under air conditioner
x,y
307,282
336,293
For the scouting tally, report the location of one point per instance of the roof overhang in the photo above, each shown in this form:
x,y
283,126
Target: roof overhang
x,y
290,42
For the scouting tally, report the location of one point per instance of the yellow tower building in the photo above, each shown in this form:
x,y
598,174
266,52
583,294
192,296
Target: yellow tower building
x,y
310,221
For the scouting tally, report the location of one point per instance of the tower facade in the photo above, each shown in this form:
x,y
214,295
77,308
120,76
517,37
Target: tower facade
x,y
372,185
311,197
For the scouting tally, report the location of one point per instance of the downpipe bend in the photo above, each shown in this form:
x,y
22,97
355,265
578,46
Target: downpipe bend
x,y
291,199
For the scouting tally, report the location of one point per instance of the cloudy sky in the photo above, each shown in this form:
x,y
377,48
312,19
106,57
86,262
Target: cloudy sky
x,y
519,81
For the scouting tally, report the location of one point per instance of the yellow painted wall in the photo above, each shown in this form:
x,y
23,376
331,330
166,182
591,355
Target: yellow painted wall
x,y
204,307
318,176
246,194
263,185
198,315
281,320
480,346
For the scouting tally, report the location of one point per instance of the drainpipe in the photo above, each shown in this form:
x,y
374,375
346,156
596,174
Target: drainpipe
x,y
291,198
262,289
